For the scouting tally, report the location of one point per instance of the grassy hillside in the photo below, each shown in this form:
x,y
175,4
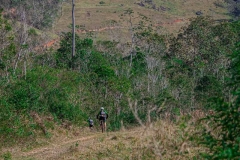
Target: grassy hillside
x,y
169,15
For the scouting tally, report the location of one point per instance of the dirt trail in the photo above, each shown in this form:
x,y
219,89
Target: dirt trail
x,y
61,149
54,148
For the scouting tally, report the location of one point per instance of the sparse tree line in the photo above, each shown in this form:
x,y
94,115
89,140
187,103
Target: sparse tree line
x,y
162,77
39,14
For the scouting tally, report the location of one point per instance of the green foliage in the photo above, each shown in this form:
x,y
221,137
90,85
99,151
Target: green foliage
x,y
100,66
235,67
12,123
8,47
64,55
32,31
7,156
101,2
197,60
120,84
139,64
44,91
223,140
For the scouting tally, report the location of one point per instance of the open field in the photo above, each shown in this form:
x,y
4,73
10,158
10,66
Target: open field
x,y
170,16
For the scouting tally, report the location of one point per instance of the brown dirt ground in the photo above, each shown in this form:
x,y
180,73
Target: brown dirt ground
x,y
71,145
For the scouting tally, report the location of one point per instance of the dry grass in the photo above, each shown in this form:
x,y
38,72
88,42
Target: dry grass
x,y
164,140
94,16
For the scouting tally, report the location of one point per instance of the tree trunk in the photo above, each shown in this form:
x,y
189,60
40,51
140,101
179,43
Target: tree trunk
x,y
132,41
25,69
73,31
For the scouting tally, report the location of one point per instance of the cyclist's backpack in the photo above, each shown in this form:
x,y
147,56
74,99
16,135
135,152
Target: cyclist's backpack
x,y
103,114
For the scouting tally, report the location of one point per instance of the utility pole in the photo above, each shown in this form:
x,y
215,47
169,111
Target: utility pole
x,y
73,31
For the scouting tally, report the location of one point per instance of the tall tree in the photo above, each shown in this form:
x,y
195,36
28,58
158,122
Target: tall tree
x,y
73,30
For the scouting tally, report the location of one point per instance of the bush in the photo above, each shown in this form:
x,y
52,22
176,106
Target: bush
x,y
64,53
101,2
45,91
223,140
7,156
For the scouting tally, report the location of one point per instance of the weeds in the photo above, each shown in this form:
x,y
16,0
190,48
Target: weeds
x,y
165,140
7,156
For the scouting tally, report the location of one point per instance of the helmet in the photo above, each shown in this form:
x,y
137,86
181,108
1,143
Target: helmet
x,y
102,108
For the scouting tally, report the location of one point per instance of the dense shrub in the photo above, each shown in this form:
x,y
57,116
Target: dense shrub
x,y
44,91
223,140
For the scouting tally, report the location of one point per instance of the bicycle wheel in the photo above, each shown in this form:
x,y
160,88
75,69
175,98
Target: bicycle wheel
x,y
102,125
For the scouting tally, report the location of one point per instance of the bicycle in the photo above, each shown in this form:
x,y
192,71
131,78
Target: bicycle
x,y
102,117
102,125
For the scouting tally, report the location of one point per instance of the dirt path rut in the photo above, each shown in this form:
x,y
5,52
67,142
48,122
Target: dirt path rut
x,y
72,148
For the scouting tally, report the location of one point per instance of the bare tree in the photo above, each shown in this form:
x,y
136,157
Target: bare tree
x,y
132,28
130,12
134,108
23,36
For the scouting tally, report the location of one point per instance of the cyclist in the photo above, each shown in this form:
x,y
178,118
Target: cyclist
x,y
102,117
90,122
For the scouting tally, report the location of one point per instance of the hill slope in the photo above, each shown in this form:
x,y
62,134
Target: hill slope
x,y
98,15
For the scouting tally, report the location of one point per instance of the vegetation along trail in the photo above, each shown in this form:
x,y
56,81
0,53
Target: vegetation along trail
x,y
161,76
